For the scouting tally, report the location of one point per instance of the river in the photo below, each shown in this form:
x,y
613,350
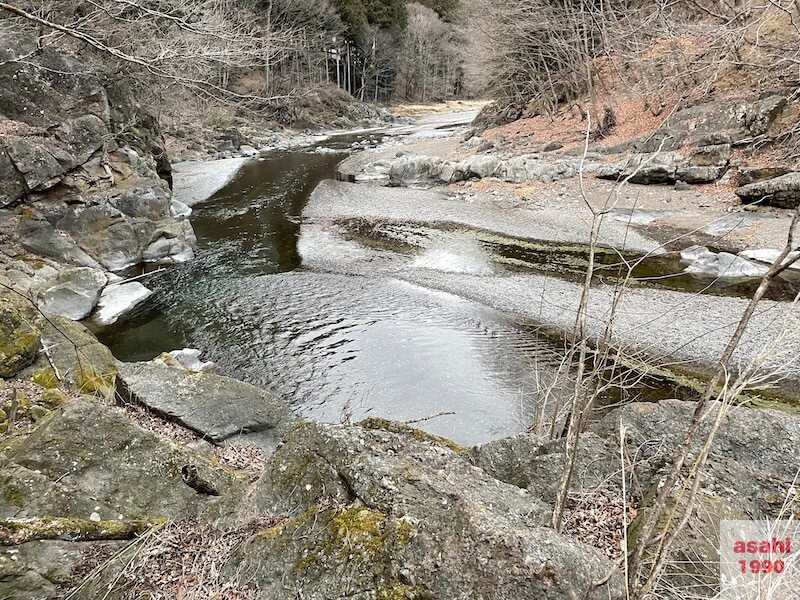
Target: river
x,y
339,343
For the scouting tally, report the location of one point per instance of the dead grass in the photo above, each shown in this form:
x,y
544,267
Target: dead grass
x,y
184,560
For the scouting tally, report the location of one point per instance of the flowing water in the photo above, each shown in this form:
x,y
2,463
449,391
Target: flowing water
x,y
338,343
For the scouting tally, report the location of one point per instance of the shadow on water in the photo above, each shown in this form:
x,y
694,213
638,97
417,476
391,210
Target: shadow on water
x,y
248,228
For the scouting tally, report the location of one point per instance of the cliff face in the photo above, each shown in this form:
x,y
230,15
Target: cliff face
x,y
84,176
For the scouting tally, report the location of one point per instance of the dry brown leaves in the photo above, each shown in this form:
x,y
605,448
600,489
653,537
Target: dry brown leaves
x,y
598,519
184,560
250,460
633,120
152,422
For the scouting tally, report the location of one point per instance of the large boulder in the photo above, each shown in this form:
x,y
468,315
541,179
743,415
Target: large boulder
x,y
74,293
19,340
74,354
705,164
783,191
648,168
36,163
172,242
37,235
43,569
393,510
89,459
747,475
104,233
537,464
530,167
12,185
746,175
411,171
479,166
216,407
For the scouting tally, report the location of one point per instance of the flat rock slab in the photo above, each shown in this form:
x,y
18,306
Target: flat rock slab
x,y
218,408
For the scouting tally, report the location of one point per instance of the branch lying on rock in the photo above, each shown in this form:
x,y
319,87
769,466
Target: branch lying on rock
x,y
19,531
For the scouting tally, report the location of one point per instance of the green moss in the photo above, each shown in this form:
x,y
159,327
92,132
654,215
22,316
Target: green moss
x,y
294,523
355,533
54,398
14,497
89,381
377,423
18,531
45,378
37,413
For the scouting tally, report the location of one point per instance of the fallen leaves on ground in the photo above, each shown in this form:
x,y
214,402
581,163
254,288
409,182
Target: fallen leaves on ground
x,y
598,519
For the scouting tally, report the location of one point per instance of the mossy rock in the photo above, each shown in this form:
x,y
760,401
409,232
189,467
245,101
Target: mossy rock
x,y
422,436
19,340
384,510
54,398
45,378
85,365
330,552
87,456
44,569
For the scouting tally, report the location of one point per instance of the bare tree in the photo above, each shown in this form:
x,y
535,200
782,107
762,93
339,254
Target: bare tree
x,y
197,45
429,64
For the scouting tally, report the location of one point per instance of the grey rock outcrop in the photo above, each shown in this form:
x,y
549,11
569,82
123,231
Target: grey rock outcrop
x,y
747,175
748,474
427,171
408,497
704,165
649,168
783,191
19,340
537,464
216,407
707,132
87,458
412,171
83,166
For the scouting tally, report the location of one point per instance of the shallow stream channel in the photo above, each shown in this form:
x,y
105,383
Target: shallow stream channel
x,y
318,311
